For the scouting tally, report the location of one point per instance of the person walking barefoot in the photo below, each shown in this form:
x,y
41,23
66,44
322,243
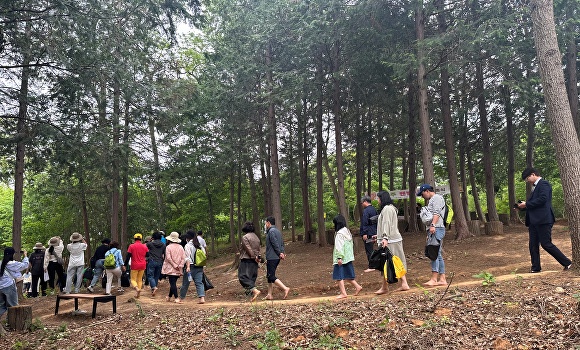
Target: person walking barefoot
x,y
274,253
343,256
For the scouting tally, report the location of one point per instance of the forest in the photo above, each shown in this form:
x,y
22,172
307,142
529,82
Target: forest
x,y
133,116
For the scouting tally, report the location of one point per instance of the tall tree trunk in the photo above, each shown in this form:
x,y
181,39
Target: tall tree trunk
x,y
115,162
331,179
463,149
85,212
531,140
291,170
125,177
319,160
239,199
461,230
212,220
486,145
232,236
474,190
426,148
359,169
273,139
558,114
412,159
338,130
571,65
369,151
380,136
254,198
510,135
157,175
303,172
22,131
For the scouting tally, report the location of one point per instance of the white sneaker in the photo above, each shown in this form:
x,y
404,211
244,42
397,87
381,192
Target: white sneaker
x,y
90,289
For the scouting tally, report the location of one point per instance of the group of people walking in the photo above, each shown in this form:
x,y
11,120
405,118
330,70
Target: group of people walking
x,y
174,256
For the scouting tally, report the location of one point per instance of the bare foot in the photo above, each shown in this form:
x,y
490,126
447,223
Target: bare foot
x,y
201,300
402,288
138,294
153,291
341,296
286,291
268,297
167,298
442,283
380,292
358,291
369,270
430,283
178,301
255,293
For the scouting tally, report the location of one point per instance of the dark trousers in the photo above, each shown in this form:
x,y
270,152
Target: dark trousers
x,y
369,248
53,269
35,279
542,235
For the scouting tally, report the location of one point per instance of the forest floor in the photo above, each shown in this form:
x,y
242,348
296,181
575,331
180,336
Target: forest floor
x,y
519,311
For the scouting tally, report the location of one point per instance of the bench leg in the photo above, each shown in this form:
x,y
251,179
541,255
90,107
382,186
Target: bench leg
x,y
76,304
94,308
57,302
115,305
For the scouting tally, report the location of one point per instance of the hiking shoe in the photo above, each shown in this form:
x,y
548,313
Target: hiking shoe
x,y
121,290
567,267
90,289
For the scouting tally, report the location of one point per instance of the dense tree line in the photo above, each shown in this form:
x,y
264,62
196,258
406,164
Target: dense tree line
x,y
285,108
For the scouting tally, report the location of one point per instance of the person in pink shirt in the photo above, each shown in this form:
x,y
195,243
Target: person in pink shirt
x,y
173,264
137,253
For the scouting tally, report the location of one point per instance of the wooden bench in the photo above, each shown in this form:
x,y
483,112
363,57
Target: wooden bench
x,y
95,297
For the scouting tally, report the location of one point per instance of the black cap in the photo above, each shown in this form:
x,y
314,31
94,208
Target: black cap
x,y
529,171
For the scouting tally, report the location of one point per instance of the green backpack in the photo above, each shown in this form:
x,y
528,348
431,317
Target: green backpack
x,y
200,258
110,262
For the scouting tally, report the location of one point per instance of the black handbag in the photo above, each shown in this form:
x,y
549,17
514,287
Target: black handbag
x,y
432,247
378,259
207,285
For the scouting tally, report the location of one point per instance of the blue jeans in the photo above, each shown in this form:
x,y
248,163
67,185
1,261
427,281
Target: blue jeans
x,y
98,271
71,272
197,274
153,272
8,298
438,265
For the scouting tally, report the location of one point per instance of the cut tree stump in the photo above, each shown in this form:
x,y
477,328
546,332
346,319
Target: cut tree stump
x,y
20,317
493,228
473,227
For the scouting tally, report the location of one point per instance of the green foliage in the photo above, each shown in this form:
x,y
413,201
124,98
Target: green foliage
x,y
272,341
488,278
231,335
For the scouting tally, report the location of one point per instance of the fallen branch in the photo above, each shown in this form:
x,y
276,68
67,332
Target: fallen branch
x,y
443,295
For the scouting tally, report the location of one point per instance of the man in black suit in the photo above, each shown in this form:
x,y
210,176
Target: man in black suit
x,y
540,219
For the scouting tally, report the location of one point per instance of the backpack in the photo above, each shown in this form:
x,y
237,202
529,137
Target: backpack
x,y
110,262
447,218
200,258
399,267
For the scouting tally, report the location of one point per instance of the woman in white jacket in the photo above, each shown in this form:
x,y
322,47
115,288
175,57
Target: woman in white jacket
x,y
388,235
10,271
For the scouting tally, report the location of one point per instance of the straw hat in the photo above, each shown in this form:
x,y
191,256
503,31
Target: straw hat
x,y
38,245
174,237
53,241
76,237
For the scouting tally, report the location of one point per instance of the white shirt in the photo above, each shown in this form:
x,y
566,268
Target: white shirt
x,y
77,253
